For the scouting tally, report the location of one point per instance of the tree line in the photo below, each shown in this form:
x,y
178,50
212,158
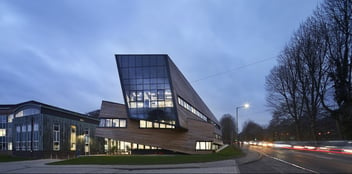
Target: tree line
x,y
309,91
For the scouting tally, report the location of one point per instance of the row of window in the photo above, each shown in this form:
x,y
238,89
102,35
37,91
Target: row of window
x,y
144,72
204,145
153,94
144,60
190,108
113,122
151,104
147,83
218,137
155,98
124,147
157,125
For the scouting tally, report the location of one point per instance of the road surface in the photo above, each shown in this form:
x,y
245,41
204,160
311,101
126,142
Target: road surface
x,y
276,160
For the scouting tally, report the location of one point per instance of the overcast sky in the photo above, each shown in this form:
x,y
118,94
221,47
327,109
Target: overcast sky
x,y
61,52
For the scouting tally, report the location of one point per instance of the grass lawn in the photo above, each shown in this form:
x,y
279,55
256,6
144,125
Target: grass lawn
x,y
227,153
8,158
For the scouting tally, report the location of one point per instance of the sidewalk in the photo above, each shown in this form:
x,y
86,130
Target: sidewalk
x,y
251,156
39,166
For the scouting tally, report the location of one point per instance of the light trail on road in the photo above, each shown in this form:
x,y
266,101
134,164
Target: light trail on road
x,y
310,161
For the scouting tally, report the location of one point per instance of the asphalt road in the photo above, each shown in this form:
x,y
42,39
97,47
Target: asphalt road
x,y
293,161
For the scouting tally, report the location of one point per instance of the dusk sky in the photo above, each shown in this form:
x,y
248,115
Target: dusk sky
x,y
61,52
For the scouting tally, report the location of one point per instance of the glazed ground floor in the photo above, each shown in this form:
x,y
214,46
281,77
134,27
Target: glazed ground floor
x,y
117,147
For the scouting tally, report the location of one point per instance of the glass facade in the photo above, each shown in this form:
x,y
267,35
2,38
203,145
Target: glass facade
x,y
113,122
146,87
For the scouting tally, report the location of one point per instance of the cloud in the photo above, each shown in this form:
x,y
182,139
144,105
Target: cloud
x,y
62,52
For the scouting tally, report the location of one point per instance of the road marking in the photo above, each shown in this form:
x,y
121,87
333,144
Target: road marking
x,y
295,165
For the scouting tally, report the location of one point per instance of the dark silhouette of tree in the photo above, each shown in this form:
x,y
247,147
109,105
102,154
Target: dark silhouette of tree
x,y
228,128
283,90
252,131
314,73
338,18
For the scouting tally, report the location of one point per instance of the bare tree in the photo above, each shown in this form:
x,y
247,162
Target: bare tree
x,y
338,17
228,128
311,65
283,90
314,74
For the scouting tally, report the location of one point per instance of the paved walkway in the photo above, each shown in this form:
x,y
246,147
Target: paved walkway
x,y
39,166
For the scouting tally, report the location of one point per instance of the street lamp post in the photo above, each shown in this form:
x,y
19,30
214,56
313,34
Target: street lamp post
x,y
246,105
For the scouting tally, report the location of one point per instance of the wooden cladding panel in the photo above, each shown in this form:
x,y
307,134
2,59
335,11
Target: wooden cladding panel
x,y
170,139
181,87
112,110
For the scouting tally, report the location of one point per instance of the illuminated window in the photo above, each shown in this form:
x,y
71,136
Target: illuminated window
x,y
73,138
149,124
2,132
9,146
86,140
203,145
10,118
123,123
142,124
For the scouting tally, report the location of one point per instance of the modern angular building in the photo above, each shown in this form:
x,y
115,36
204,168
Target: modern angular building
x,y
38,130
162,112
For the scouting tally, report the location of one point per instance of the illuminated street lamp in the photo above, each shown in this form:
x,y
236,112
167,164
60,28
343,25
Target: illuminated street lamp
x,y
246,105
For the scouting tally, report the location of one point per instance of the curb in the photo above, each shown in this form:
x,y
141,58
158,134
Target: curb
x,y
251,156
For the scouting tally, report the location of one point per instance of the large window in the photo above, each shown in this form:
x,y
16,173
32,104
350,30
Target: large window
x,y
23,137
203,145
35,136
29,137
56,137
18,138
113,122
28,111
86,140
73,138
147,87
